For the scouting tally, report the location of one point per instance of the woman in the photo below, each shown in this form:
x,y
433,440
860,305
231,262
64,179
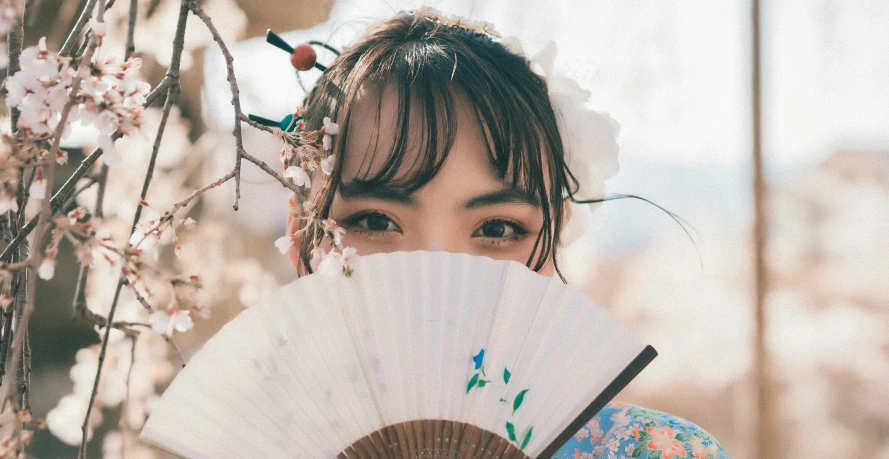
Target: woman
x,y
446,140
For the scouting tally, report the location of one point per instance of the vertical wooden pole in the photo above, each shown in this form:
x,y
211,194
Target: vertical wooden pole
x,y
763,408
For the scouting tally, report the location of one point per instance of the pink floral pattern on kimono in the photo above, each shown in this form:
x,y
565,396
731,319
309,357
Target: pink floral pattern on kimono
x,y
623,431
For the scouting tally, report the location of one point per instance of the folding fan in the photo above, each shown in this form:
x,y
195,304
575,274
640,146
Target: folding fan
x,y
416,354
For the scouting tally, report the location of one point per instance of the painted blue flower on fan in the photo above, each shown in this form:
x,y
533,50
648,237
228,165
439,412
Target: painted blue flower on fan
x,y
478,359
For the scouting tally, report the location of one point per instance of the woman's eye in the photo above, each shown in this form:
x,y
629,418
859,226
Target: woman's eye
x,y
499,229
373,222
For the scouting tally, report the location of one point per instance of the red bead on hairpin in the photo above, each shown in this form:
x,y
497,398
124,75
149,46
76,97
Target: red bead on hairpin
x,y
303,57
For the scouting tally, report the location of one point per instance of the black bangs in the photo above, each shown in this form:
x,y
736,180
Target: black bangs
x,y
427,67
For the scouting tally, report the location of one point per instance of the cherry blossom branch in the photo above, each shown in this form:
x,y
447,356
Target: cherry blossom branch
x,y
41,227
131,30
172,91
59,198
168,215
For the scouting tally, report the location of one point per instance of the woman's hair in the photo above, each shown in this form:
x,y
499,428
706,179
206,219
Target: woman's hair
x,y
427,65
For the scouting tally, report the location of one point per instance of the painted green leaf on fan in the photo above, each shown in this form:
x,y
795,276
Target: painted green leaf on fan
x,y
472,382
518,400
482,382
527,438
506,375
510,430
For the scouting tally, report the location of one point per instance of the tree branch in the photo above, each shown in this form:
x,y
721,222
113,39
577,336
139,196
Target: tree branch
x,y
78,28
236,99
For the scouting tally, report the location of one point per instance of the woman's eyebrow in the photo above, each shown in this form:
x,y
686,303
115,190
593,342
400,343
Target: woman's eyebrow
x,y
359,189
504,196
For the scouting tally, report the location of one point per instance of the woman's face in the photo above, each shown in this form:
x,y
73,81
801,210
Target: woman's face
x,y
464,208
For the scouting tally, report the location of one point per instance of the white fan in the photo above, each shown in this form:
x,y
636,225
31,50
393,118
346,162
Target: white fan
x,y
417,354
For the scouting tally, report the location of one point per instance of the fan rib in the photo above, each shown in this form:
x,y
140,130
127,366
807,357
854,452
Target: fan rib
x,y
641,361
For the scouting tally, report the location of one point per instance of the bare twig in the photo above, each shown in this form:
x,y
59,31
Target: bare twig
x,y
236,99
139,296
131,30
125,405
24,379
14,38
261,127
33,10
78,28
19,292
152,7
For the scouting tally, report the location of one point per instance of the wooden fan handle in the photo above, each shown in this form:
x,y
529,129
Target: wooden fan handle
x,y
432,439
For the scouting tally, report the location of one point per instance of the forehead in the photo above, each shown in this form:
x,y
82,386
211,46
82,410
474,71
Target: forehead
x,y
384,130
466,179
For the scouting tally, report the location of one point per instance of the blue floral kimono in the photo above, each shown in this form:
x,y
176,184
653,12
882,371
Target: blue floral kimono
x,y
622,431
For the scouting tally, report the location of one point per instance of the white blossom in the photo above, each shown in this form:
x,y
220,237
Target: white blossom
x,y
47,268
173,318
284,243
327,164
338,235
299,176
64,421
98,28
110,155
331,264
330,127
147,243
350,254
37,190
8,201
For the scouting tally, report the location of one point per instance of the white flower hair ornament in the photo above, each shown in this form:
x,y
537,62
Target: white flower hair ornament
x,y
589,137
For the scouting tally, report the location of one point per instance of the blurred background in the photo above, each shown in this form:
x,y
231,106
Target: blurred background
x,y
677,76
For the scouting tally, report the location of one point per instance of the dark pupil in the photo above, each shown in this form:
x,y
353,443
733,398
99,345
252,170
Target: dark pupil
x,y
493,229
377,223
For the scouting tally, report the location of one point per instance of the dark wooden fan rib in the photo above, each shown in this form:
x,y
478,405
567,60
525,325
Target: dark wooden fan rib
x,y
623,378
432,439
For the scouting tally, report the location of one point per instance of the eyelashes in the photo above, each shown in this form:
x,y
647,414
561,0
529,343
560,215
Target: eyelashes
x,y
372,223
495,231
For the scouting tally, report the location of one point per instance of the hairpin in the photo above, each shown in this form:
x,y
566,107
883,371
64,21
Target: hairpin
x,y
303,57
479,27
